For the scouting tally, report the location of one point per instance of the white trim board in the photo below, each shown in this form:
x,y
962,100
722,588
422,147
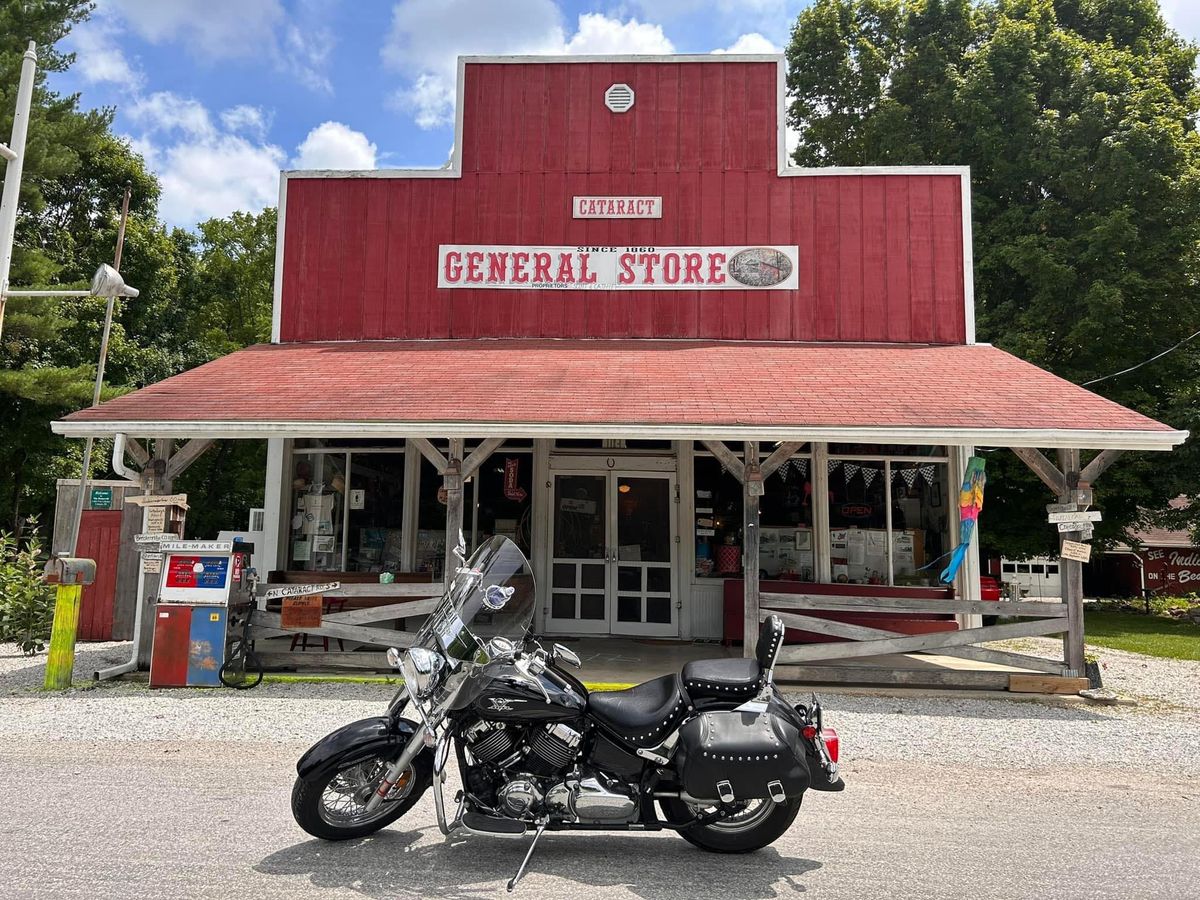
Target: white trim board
x,y
1090,439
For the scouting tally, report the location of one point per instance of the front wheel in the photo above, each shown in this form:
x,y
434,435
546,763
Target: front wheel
x,y
333,807
757,824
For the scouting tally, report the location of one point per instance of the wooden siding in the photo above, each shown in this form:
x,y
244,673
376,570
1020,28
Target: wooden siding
x,y
881,256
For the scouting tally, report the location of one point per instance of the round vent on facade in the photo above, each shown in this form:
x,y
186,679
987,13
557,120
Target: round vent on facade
x,y
619,98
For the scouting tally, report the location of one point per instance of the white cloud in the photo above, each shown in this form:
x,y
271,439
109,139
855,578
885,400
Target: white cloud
x,y
217,28
216,177
751,43
332,145
246,119
164,112
306,55
428,36
98,54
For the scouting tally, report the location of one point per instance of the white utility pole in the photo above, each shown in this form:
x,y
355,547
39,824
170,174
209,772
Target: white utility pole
x,y
14,154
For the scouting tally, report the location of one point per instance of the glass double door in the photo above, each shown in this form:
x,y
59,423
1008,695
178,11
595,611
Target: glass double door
x,y
613,565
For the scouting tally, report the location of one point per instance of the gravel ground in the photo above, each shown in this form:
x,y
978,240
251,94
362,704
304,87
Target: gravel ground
x,y
1163,731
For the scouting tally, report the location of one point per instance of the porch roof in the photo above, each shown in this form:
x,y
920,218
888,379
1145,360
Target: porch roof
x,y
876,393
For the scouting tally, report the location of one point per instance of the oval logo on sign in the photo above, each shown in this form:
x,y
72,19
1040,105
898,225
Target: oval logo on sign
x,y
760,267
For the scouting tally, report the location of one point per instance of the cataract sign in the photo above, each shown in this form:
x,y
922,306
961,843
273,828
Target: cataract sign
x,y
618,268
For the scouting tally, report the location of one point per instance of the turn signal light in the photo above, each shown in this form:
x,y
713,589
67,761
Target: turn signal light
x,y
831,742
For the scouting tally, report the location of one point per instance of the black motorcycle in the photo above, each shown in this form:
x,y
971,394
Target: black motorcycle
x,y
716,753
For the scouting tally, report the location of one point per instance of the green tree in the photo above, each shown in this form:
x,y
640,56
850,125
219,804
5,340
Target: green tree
x,y
1078,119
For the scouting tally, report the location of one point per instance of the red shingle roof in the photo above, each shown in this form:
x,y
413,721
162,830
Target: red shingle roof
x,y
650,388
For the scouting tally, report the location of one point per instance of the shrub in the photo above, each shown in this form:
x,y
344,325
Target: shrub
x,y
26,602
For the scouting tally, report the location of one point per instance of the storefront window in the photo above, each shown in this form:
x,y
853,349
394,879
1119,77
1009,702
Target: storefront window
x,y
888,520
347,507
318,511
500,499
431,521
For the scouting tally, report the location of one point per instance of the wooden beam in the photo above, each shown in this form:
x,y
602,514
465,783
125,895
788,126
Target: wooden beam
x,y
268,624
782,453
908,604
452,480
925,677
479,456
411,589
863,633
430,452
1042,468
727,458
186,455
281,659
137,451
919,642
1046,684
409,610
1097,466
752,493
1072,572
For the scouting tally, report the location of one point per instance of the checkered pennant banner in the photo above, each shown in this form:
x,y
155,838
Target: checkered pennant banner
x,y
851,469
928,473
869,474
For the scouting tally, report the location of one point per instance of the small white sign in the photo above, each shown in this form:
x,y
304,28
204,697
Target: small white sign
x,y
197,546
1062,507
154,537
158,500
358,499
156,518
616,207
301,590
152,566
1074,526
1076,551
1091,515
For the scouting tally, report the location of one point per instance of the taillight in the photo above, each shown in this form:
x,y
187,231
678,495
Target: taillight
x,y
809,732
831,742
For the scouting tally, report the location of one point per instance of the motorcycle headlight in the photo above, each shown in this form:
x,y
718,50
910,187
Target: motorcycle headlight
x,y
421,668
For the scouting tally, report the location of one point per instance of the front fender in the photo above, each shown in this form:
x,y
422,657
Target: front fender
x,y
356,742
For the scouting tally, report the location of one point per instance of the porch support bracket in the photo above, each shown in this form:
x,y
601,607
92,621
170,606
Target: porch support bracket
x,y
186,455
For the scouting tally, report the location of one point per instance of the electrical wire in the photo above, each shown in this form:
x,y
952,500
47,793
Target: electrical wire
x,y
1143,363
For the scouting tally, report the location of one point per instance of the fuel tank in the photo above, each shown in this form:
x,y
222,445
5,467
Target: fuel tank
x,y
509,697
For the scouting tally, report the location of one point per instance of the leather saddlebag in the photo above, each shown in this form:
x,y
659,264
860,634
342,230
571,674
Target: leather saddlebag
x,y
731,756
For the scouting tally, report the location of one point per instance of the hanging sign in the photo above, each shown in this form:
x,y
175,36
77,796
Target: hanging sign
x,y
616,207
158,500
618,268
301,612
1064,527
1091,515
1076,551
301,590
512,486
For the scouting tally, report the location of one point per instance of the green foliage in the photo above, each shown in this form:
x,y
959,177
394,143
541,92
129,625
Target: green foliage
x,y
1078,120
1135,633
26,602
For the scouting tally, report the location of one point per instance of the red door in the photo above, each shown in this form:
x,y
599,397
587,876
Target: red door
x,y
99,539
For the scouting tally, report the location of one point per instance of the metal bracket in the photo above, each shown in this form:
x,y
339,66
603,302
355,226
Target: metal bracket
x,y
725,791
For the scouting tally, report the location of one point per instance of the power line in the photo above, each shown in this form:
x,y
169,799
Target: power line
x,y
1143,363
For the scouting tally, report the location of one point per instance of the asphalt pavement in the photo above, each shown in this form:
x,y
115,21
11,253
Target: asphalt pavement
x,y
209,819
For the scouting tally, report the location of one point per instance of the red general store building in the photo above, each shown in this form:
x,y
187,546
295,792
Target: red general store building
x,y
621,328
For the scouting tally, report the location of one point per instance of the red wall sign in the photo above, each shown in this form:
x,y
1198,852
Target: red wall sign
x,y
1172,571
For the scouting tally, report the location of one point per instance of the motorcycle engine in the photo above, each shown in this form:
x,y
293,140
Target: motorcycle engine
x,y
519,763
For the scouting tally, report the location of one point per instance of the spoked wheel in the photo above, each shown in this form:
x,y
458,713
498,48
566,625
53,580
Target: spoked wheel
x,y
334,807
755,825
243,669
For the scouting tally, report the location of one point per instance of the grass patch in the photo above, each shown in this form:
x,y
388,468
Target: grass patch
x,y
1152,635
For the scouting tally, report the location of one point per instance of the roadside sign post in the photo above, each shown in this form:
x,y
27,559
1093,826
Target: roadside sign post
x,y
70,575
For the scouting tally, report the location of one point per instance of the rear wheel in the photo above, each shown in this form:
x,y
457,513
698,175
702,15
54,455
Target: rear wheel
x,y
757,824
334,807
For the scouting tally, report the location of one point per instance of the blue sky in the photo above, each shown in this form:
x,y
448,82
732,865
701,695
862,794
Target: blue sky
x,y
219,95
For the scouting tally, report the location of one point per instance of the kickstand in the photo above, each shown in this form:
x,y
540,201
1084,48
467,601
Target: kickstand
x,y
512,882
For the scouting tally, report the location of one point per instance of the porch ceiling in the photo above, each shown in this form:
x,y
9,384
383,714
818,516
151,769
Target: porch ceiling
x,y
909,394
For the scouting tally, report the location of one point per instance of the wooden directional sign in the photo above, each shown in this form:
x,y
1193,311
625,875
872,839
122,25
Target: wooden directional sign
x,y
1076,551
158,500
1084,528
1062,507
300,590
1091,515
154,537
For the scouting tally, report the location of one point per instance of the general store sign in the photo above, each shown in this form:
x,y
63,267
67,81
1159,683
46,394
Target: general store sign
x,y
618,268
616,207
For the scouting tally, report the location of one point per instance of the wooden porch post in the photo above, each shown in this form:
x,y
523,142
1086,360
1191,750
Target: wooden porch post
x,y
157,478
452,480
1072,570
752,490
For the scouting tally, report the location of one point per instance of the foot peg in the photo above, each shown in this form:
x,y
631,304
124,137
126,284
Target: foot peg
x,y
512,882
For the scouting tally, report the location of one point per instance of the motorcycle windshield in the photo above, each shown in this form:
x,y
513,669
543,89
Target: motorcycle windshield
x,y
491,595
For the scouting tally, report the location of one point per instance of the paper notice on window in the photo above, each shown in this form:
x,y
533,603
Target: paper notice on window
x,y
856,547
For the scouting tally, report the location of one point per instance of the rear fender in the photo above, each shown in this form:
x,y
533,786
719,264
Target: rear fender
x,y
356,742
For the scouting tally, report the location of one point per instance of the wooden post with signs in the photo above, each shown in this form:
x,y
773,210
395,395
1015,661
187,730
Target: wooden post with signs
x,y
1072,568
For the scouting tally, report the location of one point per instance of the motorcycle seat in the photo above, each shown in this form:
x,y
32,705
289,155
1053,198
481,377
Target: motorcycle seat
x,y
731,679
643,715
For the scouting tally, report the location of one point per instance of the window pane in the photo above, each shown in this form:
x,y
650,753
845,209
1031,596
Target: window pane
x,y
591,606
629,578
719,511
1052,570
564,575
658,580
593,576
503,488
658,610
431,522
629,609
318,507
921,498
376,512
562,606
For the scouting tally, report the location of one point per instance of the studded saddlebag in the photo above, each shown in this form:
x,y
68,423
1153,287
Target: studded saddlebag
x,y
732,756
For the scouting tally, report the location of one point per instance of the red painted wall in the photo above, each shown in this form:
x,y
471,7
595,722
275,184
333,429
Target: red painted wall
x,y
99,539
881,257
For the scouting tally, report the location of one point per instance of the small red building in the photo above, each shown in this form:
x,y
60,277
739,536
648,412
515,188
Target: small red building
x,y
616,307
